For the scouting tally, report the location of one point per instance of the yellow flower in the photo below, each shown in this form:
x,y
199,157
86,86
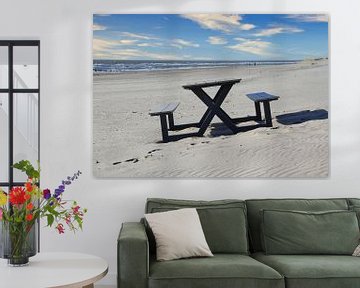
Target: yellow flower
x,y
3,198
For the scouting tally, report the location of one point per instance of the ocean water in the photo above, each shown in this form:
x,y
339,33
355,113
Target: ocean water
x,y
120,66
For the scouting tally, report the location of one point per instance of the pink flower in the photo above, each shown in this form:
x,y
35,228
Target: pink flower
x,y
60,228
75,210
1,213
68,219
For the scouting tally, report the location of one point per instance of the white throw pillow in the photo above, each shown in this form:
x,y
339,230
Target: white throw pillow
x,y
178,234
357,251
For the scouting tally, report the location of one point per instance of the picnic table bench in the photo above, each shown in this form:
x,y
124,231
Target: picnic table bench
x,y
165,111
265,98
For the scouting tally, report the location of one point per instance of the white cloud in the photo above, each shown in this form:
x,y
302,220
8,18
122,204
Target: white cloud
x,y
176,46
214,40
137,36
99,43
111,49
180,43
125,54
252,46
222,22
149,44
309,17
126,42
247,26
97,27
277,30
103,47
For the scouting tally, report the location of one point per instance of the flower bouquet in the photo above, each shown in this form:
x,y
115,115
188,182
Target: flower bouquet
x,y
21,208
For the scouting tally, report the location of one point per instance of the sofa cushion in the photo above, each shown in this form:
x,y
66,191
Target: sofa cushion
x,y
255,206
222,270
353,201
313,271
354,205
356,209
223,221
297,232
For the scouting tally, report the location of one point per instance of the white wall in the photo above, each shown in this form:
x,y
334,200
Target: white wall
x,y
64,28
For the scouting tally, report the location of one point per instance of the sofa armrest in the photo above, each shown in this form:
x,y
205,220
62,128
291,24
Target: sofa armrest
x,y
133,256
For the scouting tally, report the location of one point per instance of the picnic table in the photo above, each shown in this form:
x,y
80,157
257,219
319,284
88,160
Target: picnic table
x,y
213,105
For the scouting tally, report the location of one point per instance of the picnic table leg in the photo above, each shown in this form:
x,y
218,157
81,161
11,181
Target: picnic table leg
x,y
171,121
208,110
214,108
164,128
258,111
268,120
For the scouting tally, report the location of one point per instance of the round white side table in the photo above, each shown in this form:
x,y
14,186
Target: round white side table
x,y
50,270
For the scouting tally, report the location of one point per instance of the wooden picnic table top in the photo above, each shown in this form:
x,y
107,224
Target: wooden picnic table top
x,y
211,83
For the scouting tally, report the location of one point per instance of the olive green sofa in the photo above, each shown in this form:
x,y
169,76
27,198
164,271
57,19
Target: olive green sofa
x,y
233,231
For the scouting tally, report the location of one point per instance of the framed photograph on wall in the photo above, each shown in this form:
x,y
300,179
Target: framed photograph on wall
x,y
211,95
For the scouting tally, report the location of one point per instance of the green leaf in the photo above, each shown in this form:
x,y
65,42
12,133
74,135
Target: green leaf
x,y
53,211
26,167
50,219
79,221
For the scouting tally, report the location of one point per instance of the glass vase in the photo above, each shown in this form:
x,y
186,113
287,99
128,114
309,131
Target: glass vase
x,y
18,242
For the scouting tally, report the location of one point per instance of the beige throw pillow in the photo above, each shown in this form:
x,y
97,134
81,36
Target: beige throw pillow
x,y
357,251
178,234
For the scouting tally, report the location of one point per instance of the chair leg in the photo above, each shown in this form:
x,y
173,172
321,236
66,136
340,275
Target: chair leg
x,y
258,111
164,128
268,120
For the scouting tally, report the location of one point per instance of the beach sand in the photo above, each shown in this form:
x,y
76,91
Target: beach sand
x,y
127,141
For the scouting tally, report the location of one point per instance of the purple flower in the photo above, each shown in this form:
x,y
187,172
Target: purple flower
x,y
46,194
64,183
58,192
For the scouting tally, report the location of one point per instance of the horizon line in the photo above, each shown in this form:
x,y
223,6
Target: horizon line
x,y
218,60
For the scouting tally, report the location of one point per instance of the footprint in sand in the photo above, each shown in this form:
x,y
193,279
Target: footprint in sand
x,y
152,151
133,160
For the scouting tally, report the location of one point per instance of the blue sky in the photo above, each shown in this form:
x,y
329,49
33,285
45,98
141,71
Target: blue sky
x,y
210,36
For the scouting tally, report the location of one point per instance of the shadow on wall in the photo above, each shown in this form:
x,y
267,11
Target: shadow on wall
x,y
302,116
